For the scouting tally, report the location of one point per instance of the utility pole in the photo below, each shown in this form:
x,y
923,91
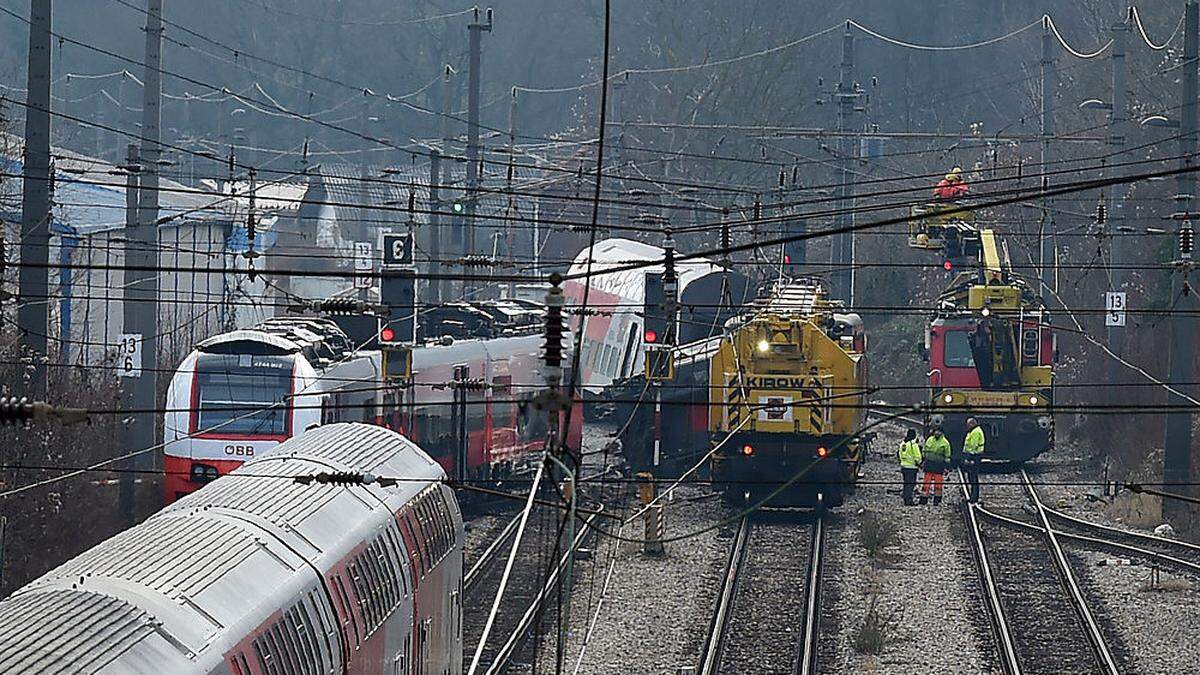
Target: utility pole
x,y
141,256
1177,437
436,292
842,252
33,285
1046,232
475,34
1113,228
510,202
125,492
455,220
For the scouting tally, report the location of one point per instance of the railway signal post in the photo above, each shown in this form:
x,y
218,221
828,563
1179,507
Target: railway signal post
x,y
398,294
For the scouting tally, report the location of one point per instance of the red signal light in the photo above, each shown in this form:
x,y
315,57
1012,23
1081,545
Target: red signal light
x,y
948,265
822,451
651,336
747,450
387,334
787,259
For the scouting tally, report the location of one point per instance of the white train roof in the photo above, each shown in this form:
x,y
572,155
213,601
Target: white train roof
x,y
630,284
194,579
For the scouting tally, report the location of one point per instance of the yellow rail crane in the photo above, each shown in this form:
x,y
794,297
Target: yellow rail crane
x,y
989,343
787,402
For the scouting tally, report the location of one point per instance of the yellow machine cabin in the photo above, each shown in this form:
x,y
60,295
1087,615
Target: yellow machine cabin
x,y
788,391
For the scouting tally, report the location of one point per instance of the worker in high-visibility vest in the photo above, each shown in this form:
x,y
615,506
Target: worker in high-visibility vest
x,y
935,460
972,456
910,461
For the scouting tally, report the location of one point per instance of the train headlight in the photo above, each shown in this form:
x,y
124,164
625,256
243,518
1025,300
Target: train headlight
x,y
747,450
947,399
822,451
204,473
1033,399
986,312
763,345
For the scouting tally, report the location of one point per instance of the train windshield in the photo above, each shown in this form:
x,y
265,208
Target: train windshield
x,y
958,350
243,395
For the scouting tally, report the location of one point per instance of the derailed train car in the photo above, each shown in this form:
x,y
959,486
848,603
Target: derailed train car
x,y
779,395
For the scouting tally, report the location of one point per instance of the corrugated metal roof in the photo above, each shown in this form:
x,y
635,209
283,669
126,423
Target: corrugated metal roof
x,y
142,555
72,631
89,193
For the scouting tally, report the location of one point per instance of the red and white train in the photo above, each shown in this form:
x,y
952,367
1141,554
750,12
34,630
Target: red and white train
x,y
241,393
613,339
258,574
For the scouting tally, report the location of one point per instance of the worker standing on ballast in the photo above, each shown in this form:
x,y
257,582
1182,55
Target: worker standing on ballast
x,y
936,458
951,187
910,461
972,456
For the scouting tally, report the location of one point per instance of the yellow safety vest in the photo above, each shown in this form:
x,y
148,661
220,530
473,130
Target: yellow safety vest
x,y
937,449
910,455
973,445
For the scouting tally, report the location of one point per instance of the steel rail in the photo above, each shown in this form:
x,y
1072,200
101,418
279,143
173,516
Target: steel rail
x,y
711,658
1175,544
501,662
475,574
1103,654
812,610
1005,641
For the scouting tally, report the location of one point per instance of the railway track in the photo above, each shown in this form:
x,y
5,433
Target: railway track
x,y
530,592
1038,609
771,588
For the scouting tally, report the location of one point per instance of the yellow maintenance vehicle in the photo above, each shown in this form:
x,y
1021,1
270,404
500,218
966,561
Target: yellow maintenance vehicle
x,y
989,343
787,399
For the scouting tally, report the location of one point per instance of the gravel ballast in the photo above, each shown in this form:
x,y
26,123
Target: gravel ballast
x,y
926,582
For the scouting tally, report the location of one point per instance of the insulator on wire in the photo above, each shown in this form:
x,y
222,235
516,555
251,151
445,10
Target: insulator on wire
x,y
1187,240
554,328
15,411
1101,213
21,411
345,478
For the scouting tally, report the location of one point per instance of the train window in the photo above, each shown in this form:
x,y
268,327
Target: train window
x,y
447,519
423,526
957,350
330,636
367,591
382,593
410,545
392,548
226,388
349,605
388,569
418,543
438,511
288,654
265,663
271,649
306,638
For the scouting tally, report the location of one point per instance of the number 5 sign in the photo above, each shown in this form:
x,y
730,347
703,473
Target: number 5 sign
x,y
1114,309
129,355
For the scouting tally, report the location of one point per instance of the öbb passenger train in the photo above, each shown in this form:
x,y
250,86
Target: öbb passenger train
x,y
257,574
241,393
